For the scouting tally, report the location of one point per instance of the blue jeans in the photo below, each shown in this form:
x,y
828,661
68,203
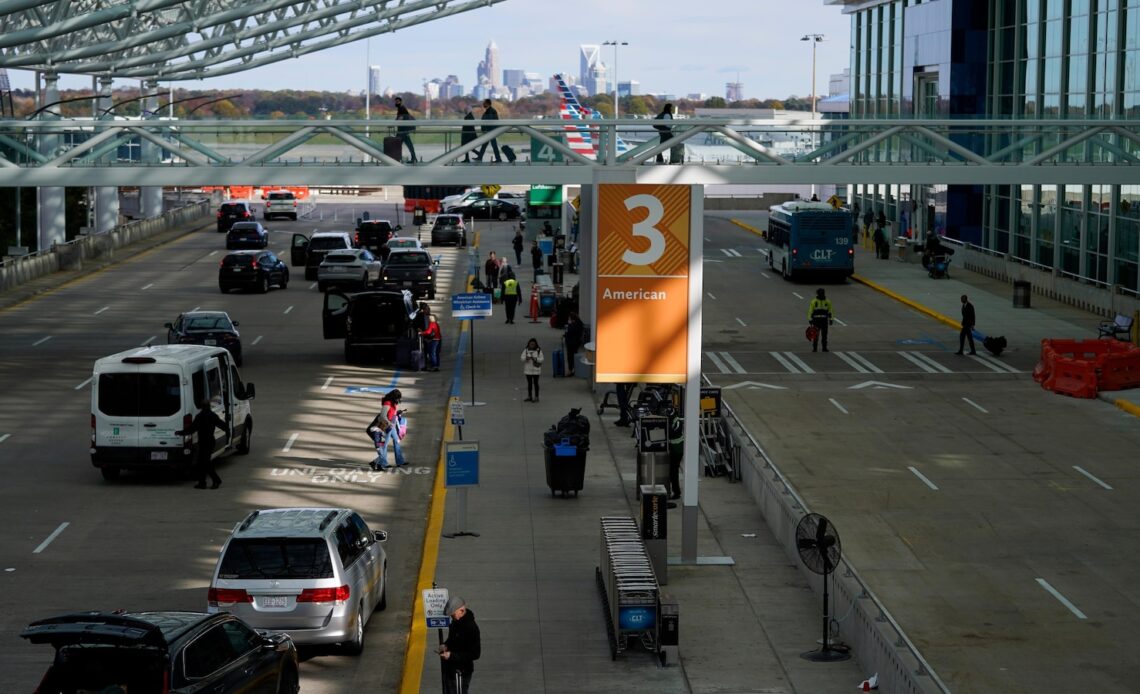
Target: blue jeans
x,y
392,437
433,353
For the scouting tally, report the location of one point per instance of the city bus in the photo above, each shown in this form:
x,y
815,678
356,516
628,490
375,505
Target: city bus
x,y
810,238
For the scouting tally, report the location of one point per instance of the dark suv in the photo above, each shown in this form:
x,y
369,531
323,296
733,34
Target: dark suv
x,y
256,270
411,269
374,234
231,212
375,320
159,652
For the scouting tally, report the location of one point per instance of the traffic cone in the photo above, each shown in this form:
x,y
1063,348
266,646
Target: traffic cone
x,y
870,684
533,306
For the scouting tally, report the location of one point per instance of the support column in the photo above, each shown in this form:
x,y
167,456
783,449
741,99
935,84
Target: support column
x,y
51,218
106,197
150,197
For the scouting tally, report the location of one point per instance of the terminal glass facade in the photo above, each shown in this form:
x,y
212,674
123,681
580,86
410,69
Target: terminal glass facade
x,y
1031,59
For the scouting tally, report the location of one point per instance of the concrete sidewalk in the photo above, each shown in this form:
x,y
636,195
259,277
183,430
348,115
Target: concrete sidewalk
x,y
529,576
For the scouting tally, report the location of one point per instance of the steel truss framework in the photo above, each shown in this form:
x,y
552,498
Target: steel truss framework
x,y
194,39
187,153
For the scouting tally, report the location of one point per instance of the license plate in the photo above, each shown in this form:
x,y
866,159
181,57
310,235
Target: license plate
x,y
407,283
158,455
274,601
237,269
211,343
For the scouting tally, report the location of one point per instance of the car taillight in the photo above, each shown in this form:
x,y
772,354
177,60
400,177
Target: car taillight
x,y
337,595
216,597
850,251
222,264
254,266
356,239
92,427
187,422
219,214
245,215
795,251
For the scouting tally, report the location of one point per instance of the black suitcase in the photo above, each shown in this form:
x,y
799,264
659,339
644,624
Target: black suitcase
x,y
394,148
405,349
509,153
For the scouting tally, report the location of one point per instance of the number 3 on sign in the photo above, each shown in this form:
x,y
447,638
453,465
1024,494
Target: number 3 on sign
x,y
646,229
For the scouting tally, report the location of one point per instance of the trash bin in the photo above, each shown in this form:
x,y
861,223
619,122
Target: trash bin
x,y
419,216
1021,292
565,468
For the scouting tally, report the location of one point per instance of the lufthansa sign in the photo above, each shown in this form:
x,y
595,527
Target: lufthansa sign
x,y
643,275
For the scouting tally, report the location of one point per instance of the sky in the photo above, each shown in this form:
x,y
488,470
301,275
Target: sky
x,y
675,47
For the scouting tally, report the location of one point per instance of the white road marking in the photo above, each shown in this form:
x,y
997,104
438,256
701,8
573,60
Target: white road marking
x,y
1061,598
998,366
195,309
839,407
149,340
289,443
878,385
102,310
839,322
784,362
288,310
148,286
923,477
4,438
797,296
732,363
256,340
765,275
40,341
731,252
865,362
707,239
741,322
852,363
83,385
764,251
212,254
717,362
328,382
313,285
976,406
753,385
799,362
712,296
1078,468
924,362
55,534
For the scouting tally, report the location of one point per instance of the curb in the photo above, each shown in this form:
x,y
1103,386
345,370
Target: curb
x,y
747,227
1129,407
912,304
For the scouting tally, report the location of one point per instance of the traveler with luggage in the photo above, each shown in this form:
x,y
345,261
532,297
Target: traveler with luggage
x,y
391,432
434,337
532,368
457,655
489,113
467,135
967,331
572,338
404,132
666,131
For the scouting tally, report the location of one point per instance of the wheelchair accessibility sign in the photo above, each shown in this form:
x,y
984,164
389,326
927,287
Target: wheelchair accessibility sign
x,y
462,464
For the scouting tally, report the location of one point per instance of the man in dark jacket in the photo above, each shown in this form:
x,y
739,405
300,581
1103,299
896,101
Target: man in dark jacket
x,y
489,113
404,132
536,258
203,425
468,134
461,649
967,332
573,339
666,131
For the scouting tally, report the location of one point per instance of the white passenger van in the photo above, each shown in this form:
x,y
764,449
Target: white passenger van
x,y
141,397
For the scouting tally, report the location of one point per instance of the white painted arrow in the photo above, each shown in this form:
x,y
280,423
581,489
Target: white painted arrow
x,y
878,385
753,385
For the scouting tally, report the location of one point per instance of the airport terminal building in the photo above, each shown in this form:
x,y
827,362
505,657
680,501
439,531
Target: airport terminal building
x,y
1024,59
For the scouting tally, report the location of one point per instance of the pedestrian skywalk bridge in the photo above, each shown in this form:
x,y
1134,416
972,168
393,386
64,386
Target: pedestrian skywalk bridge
x,y
838,363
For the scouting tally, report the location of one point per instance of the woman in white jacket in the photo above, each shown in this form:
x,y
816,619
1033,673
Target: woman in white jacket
x,y
532,368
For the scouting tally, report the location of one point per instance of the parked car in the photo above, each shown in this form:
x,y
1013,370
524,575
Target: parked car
x,y
247,235
163,652
375,321
308,252
511,196
411,269
231,212
462,198
487,208
280,203
252,270
210,328
404,242
449,228
355,266
316,574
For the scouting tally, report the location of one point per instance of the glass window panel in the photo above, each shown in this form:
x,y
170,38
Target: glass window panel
x,y
1054,9
1053,38
1052,75
1032,11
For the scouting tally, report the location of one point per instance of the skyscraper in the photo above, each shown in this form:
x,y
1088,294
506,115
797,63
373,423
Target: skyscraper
x,y
588,60
489,67
733,91
374,79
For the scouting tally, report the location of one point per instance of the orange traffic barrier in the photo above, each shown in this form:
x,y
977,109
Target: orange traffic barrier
x,y
1081,368
533,304
1073,377
1121,369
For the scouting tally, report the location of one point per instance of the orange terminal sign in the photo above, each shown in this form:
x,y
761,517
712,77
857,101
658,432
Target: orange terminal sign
x,y
642,290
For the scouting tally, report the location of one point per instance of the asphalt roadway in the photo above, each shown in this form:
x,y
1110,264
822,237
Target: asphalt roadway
x,y
951,481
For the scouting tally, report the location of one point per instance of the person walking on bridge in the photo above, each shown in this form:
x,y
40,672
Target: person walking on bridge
x,y
666,131
820,315
489,113
404,132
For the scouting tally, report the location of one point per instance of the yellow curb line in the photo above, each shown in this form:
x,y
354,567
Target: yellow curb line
x,y
1128,407
903,300
747,227
412,674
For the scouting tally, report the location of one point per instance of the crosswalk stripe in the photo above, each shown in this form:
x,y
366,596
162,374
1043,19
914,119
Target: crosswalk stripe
x,y
866,362
784,362
930,360
717,362
799,362
924,365
732,363
852,363
996,365
731,252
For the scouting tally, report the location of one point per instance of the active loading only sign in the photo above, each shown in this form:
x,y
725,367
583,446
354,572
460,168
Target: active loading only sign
x,y
435,608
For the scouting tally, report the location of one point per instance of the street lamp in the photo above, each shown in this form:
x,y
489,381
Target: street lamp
x,y
814,38
615,44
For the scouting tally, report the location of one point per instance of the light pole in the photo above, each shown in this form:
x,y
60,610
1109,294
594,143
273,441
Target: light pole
x,y
814,38
615,44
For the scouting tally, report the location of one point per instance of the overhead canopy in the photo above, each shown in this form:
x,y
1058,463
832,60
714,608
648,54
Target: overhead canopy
x,y
174,40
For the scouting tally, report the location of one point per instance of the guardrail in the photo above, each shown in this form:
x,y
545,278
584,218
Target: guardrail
x,y
877,640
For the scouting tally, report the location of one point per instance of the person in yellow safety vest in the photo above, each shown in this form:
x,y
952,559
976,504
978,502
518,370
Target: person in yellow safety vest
x,y
676,452
510,295
820,315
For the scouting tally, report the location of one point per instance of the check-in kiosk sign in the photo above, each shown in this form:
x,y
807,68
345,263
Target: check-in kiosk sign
x,y
643,273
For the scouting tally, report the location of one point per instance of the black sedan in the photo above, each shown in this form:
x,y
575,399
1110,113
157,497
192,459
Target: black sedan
x,y
487,208
163,652
208,328
246,235
252,270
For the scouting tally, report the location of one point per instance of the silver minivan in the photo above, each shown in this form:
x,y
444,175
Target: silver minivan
x,y
316,574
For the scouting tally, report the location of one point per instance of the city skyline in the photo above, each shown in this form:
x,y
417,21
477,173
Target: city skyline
x,y
662,57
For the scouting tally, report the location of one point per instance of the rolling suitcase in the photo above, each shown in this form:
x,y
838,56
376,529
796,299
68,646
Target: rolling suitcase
x,y
405,348
394,148
416,359
509,153
558,363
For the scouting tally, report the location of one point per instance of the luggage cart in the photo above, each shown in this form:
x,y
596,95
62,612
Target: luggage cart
x,y
719,452
628,587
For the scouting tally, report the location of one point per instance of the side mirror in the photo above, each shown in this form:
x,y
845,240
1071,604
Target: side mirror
x,y
398,227
236,323
380,535
170,326
250,391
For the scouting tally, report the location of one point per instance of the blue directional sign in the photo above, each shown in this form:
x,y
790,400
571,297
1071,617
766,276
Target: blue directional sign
x,y
471,305
462,464
365,389
438,622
